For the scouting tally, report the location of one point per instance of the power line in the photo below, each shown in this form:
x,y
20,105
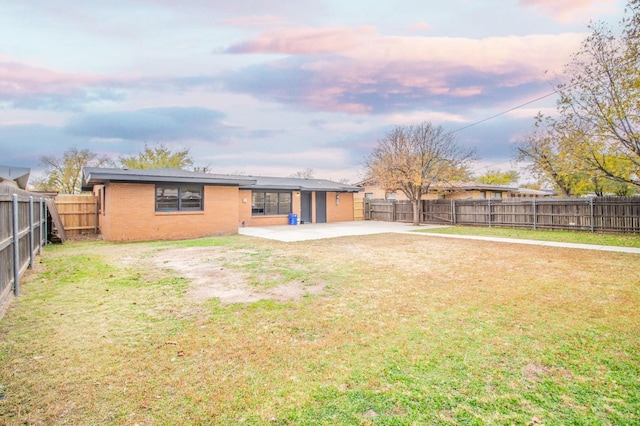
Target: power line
x,y
505,112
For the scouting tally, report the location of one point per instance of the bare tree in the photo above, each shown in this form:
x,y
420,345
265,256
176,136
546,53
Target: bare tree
x,y
411,159
65,174
303,174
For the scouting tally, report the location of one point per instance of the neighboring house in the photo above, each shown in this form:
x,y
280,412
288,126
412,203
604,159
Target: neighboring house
x,y
161,204
15,176
531,193
452,191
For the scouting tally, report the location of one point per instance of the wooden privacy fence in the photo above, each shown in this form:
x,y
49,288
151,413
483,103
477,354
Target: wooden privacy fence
x,y
388,210
599,214
78,213
23,231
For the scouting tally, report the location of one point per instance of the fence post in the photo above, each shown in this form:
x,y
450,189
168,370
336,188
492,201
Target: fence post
x,y
46,225
453,212
592,213
31,236
16,246
489,215
41,215
95,224
535,215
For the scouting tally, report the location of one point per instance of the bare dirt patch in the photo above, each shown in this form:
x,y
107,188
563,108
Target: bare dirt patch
x,y
206,268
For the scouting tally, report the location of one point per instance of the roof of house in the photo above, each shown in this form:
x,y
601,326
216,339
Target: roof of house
x,y
536,192
298,184
95,176
19,175
471,186
453,186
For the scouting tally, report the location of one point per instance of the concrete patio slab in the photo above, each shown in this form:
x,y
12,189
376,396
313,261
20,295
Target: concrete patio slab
x,y
315,231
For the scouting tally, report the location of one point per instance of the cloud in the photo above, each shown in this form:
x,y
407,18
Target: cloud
x,y
29,87
420,26
25,145
567,11
152,124
369,73
305,41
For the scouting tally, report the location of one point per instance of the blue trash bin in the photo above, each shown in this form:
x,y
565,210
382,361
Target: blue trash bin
x,y
293,219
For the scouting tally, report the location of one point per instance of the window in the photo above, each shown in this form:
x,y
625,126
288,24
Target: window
x,y
270,203
100,197
178,197
496,195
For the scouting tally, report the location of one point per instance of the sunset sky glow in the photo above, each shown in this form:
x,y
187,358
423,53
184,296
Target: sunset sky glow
x,y
272,87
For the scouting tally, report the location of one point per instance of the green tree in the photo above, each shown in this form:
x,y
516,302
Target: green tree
x,y
600,98
559,155
64,174
552,161
412,158
499,178
158,157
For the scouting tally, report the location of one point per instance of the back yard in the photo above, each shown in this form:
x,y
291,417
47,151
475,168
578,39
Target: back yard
x,y
380,329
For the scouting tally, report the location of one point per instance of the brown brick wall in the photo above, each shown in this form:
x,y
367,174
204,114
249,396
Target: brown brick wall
x,y
341,212
129,214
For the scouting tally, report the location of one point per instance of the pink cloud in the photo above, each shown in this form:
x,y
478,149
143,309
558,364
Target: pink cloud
x,y
428,63
566,11
305,41
366,54
19,78
370,72
35,88
420,26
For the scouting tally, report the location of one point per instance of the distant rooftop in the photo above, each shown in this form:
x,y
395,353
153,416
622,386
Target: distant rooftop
x,y
19,175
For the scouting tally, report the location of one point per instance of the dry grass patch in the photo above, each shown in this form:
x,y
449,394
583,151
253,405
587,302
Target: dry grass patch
x,y
399,330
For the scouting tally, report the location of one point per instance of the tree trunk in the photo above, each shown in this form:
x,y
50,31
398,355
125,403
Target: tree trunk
x,y
416,211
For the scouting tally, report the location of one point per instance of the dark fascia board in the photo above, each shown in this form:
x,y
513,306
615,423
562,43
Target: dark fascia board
x,y
297,184
96,176
303,188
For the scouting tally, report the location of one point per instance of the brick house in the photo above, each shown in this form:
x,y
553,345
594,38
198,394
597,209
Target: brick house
x,y
168,204
453,191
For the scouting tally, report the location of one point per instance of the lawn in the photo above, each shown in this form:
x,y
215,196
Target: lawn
x,y
578,237
385,329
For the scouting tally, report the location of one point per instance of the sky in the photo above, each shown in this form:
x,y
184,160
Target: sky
x,y
274,87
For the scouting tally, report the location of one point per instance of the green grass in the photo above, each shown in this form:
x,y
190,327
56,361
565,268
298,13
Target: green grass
x,y
408,331
621,240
